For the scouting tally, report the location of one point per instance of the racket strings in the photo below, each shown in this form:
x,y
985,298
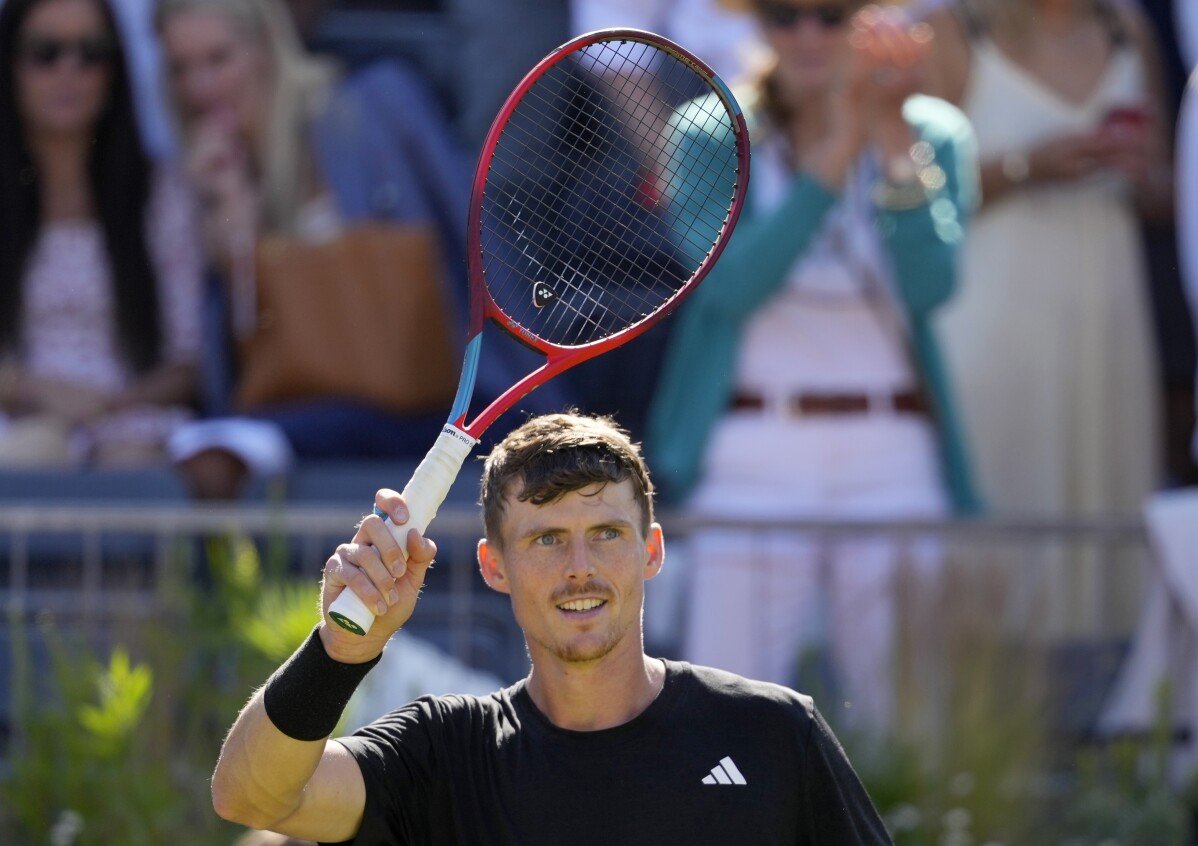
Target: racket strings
x,y
669,142
581,237
570,242
571,239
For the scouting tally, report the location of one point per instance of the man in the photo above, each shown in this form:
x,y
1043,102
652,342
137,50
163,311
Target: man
x,y
600,744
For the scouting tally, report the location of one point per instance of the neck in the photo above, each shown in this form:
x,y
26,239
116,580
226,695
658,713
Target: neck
x,y
809,120
1059,13
595,695
62,164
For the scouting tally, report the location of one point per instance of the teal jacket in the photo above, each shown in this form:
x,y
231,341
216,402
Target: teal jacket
x,y
921,243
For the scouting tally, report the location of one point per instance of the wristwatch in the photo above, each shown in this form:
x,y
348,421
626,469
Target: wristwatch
x,y
1015,167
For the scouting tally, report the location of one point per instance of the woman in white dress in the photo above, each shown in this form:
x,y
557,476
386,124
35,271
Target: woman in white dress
x,y
1049,340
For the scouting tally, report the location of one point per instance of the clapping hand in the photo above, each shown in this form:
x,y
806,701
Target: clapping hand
x,y
219,166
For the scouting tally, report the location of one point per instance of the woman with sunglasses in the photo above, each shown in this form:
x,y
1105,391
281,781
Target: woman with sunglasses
x,y
99,269
802,379
1051,340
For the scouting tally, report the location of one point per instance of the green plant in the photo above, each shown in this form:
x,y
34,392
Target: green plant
x,y
1123,794
80,770
118,749
975,759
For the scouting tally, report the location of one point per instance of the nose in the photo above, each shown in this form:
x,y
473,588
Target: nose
x,y
808,30
579,562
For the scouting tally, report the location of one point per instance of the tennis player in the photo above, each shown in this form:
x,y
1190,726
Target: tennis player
x,y
600,744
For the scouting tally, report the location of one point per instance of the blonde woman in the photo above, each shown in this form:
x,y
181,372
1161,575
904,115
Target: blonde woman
x,y
278,145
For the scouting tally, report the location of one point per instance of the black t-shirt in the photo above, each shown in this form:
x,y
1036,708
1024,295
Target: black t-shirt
x,y
716,758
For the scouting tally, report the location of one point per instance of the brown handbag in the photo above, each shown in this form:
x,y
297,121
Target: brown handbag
x,y
362,316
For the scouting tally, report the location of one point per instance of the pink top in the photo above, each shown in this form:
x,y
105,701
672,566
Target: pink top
x,y
69,310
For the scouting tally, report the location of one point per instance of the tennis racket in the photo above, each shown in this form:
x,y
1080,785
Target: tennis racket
x,y
607,186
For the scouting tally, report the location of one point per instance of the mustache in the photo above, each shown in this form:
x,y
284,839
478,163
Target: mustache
x,y
592,587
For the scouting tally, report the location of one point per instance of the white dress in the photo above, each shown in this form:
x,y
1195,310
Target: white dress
x,y
1048,341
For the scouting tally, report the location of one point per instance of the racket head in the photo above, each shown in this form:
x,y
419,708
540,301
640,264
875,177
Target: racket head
x,y
583,232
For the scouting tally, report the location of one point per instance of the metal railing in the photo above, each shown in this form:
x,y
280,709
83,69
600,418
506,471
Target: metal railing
x,y
1091,568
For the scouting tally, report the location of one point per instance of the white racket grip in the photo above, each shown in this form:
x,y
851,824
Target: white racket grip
x,y
430,484
424,493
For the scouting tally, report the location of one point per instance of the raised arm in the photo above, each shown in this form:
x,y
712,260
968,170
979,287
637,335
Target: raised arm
x,y
277,769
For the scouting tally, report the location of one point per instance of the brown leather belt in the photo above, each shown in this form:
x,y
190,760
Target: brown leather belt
x,y
904,402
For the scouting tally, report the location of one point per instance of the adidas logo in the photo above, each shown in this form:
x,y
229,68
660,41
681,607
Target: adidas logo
x,y
725,772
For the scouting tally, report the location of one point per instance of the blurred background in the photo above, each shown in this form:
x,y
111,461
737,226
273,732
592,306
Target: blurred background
x,y
232,295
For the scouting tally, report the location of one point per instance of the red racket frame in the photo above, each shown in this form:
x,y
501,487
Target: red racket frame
x,y
483,306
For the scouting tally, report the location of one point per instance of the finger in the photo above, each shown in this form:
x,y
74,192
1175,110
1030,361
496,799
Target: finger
x,y
392,504
374,532
922,34
893,43
375,577
421,550
867,16
861,34
341,574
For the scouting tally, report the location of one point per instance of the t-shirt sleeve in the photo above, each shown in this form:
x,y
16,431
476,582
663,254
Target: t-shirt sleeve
x,y
398,760
836,807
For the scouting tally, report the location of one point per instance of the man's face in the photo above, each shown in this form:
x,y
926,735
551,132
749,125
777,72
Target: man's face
x,y
576,570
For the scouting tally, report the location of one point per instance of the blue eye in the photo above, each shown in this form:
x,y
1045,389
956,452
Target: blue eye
x,y
546,540
610,533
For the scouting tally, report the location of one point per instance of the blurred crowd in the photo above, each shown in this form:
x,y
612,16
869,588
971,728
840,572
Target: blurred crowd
x,y
959,284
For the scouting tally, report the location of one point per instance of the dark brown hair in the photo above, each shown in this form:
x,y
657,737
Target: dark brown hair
x,y
119,173
555,454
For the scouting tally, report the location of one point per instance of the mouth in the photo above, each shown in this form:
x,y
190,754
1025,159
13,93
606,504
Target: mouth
x,y
576,608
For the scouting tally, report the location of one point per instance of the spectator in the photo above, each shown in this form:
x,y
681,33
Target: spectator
x,y
621,383
1187,201
724,38
802,379
99,269
290,158
1051,343
1185,19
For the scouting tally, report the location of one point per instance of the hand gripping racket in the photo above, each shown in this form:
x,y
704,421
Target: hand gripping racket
x,y
607,187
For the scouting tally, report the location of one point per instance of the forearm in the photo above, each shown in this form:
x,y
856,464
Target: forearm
x,y
924,255
277,769
261,774
167,384
922,237
996,183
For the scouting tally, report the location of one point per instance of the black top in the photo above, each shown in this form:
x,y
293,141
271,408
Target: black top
x,y
716,758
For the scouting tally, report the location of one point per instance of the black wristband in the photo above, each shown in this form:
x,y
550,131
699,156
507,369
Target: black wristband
x,y
305,697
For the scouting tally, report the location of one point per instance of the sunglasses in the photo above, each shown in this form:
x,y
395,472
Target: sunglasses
x,y
47,52
778,15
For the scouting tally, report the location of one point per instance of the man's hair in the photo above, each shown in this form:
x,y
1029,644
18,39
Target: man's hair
x,y
555,454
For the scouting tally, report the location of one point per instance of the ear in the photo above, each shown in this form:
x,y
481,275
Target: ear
x,y
490,564
655,547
